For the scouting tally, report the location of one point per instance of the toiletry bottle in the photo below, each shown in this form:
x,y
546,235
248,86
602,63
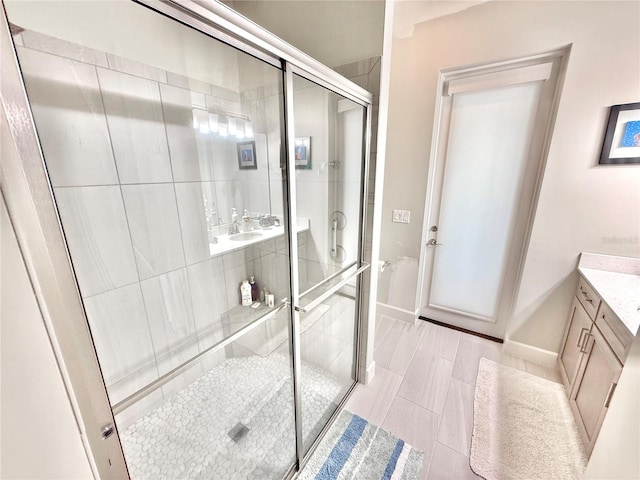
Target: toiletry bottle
x,y
245,291
254,289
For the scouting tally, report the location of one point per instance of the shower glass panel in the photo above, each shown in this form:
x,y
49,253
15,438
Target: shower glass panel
x,y
328,155
162,146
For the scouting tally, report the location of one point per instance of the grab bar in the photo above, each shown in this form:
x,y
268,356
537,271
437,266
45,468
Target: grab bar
x,y
334,229
170,375
330,277
331,291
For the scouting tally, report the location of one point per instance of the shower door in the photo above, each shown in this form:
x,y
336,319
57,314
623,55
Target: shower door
x,y
326,169
164,162
179,169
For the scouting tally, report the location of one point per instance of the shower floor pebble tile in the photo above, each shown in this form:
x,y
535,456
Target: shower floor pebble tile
x,y
187,437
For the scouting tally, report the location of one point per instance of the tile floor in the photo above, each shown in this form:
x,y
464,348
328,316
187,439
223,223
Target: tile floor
x,y
423,390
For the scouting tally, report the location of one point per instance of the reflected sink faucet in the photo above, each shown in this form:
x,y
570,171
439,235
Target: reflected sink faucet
x,y
234,227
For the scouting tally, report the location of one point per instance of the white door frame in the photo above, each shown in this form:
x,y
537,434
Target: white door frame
x,y
525,210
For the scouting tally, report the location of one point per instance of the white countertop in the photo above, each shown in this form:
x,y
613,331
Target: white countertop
x,y
617,282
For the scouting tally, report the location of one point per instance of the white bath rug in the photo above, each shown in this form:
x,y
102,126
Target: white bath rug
x,y
523,427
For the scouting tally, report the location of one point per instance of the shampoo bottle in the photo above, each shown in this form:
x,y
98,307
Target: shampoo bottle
x,y
245,292
255,295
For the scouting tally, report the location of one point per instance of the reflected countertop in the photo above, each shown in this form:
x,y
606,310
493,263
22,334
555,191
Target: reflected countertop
x,y
229,243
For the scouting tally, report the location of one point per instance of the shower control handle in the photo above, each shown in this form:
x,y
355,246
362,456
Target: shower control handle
x,y
433,242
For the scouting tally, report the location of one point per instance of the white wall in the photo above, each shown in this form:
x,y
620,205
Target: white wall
x,y
40,438
582,206
129,30
333,32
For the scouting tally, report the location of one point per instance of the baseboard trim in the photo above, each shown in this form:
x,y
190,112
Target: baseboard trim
x,y
530,353
396,312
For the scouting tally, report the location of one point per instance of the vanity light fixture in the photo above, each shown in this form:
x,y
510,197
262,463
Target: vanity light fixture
x,y
223,124
213,122
201,121
232,126
248,129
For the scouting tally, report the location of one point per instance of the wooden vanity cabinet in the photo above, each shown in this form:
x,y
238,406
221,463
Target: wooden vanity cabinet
x,y
594,386
593,352
579,326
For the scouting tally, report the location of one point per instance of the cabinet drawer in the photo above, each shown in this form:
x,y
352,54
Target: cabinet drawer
x,y
588,298
614,332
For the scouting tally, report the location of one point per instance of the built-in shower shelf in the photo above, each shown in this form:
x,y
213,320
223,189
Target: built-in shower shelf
x,y
237,317
266,338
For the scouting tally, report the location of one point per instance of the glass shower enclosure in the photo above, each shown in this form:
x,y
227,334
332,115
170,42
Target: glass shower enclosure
x,y
209,187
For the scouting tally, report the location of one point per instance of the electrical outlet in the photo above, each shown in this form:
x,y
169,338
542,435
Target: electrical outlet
x,y
401,216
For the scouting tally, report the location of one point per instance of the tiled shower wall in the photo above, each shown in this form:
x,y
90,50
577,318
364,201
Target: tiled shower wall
x,y
131,178
366,73
334,126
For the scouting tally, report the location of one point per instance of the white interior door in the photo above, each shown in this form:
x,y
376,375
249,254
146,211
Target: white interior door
x,y
483,177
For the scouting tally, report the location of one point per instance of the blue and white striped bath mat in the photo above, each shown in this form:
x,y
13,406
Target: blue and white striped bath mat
x,y
355,449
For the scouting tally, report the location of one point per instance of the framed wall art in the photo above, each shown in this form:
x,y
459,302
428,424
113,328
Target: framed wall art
x,y
247,155
621,144
302,152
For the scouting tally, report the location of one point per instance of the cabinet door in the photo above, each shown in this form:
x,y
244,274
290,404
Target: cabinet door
x,y
595,384
574,339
